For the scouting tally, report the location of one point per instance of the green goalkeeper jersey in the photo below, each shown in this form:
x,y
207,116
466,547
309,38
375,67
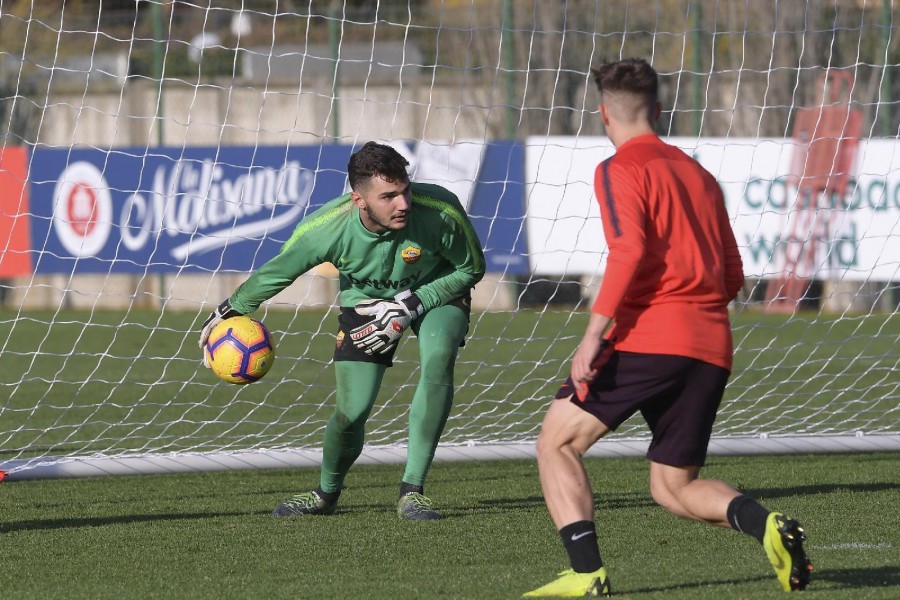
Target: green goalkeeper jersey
x,y
437,255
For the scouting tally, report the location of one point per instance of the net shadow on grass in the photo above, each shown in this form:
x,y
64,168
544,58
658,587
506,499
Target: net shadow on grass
x,y
75,523
705,584
833,579
865,577
811,490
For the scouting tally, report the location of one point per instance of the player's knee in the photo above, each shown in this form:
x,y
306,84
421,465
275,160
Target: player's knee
x,y
438,362
663,498
549,443
664,495
542,446
350,420
669,497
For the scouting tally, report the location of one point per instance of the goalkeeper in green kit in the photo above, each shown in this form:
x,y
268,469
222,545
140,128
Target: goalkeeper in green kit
x,y
408,257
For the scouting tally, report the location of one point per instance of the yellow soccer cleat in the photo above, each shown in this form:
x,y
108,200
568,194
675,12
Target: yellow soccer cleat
x,y
783,542
574,585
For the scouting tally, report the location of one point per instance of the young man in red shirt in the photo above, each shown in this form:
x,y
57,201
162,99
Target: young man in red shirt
x,y
673,267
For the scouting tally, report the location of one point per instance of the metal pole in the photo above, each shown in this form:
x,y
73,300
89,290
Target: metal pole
x,y
509,59
159,58
886,28
334,45
697,7
158,65
887,19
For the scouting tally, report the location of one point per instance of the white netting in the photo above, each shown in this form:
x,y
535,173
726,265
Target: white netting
x,y
154,152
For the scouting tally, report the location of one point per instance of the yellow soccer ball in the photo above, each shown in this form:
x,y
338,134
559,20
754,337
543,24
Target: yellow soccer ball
x,y
240,350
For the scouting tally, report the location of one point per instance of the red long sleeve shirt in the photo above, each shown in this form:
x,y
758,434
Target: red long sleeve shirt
x,y
673,263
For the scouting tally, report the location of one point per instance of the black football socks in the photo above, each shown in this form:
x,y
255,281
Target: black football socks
x,y
747,516
580,541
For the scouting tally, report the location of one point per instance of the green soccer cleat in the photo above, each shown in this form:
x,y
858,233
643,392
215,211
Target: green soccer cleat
x,y
309,503
783,542
575,585
416,507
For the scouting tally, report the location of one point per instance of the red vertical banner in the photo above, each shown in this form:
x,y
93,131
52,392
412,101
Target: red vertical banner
x,y
15,224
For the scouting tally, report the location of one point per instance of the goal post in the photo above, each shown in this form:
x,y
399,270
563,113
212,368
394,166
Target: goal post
x,y
152,154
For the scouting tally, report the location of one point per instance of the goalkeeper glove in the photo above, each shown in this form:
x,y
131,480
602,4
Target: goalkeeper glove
x,y
222,312
389,319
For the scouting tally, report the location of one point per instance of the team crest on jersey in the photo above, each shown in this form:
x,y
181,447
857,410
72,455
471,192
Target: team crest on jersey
x,y
340,338
411,254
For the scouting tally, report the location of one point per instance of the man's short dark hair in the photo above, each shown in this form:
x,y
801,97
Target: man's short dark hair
x,y
376,160
631,75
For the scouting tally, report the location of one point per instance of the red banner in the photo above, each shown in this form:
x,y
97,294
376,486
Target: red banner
x,y
15,225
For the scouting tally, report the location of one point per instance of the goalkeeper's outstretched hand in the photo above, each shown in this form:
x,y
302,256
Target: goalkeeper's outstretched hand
x,y
389,319
222,312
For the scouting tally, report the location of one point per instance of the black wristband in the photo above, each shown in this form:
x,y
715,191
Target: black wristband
x,y
223,311
226,311
412,303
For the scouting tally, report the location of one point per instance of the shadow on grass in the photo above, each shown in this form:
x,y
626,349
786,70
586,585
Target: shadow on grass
x,y
706,584
602,501
853,578
828,488
369,509
529,503
836,578
74,523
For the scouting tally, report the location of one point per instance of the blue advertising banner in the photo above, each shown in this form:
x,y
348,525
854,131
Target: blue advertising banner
x,y
497,208
134,210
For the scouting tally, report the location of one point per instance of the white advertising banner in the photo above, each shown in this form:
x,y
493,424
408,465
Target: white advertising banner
x,y
452,165
854,237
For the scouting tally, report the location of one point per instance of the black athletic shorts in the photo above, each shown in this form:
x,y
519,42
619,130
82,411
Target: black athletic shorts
x,y
677,396
349,320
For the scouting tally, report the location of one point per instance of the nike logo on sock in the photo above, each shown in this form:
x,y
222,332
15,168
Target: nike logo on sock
x,y
578,536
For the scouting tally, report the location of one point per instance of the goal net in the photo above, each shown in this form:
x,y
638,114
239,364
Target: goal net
x,y
154,153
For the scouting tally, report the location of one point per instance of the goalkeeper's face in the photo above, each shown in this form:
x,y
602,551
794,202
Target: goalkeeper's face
x,y
383,204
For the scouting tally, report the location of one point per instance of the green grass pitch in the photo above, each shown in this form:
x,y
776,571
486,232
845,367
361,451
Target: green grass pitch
x,y
210,535
75,387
